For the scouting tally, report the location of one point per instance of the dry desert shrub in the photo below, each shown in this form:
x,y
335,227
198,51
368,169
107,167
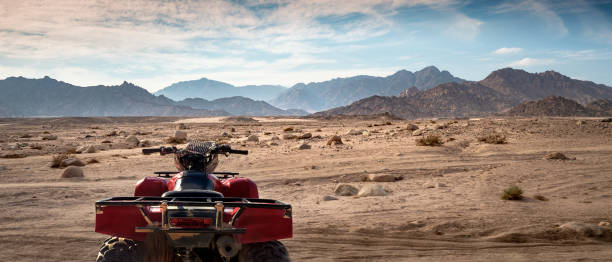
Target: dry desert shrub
x,y
512,193
540,197
430,140
57,160
493,138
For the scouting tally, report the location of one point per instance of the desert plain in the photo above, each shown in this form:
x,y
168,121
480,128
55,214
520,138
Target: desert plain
x,y
445,204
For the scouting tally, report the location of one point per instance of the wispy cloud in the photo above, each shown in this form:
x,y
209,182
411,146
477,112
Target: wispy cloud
x,y
527,61
507,50
464,27
542,9
139,38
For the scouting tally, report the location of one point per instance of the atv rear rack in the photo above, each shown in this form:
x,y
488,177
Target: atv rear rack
x,y
193,201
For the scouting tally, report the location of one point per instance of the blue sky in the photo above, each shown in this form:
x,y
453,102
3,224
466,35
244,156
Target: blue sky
x,y
156,43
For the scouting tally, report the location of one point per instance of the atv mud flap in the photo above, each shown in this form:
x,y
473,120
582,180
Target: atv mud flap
x,y
247,220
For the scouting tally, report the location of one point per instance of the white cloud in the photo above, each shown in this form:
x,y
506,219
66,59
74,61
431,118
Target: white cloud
x,y
527,61
507,50
464,27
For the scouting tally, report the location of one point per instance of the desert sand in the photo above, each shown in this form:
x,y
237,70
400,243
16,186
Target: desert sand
x,y
446,207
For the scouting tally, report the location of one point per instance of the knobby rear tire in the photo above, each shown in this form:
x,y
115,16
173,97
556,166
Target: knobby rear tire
x,y
272,251
118,249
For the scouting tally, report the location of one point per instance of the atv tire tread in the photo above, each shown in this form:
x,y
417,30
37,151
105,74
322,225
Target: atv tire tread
x,y
271,251
118,249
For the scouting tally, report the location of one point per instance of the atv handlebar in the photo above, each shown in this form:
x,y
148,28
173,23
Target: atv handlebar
x,y
221,149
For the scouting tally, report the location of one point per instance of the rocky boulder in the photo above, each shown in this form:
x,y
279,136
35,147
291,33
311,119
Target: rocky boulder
x,y
72,172
253,138
372,190
345,190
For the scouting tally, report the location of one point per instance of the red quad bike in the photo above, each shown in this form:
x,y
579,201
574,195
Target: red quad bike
x,y
194,215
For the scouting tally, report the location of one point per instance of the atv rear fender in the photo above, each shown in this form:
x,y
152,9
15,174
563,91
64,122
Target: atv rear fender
x,y
254,220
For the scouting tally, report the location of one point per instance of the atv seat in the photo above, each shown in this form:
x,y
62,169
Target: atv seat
x,y
192,193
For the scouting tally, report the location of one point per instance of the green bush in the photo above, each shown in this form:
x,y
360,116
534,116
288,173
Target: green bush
x,y
512,193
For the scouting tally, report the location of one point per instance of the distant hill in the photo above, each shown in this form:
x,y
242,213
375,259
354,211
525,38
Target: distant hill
x,y
243,106
211,89
551,106
22,97
498,92
343,91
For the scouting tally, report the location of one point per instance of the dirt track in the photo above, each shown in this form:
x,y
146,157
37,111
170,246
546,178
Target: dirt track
x,y
461,218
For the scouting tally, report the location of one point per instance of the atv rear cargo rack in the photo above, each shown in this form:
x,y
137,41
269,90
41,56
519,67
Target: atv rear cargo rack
x,y
193,201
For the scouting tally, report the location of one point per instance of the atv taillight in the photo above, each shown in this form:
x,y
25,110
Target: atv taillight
x,y
190,222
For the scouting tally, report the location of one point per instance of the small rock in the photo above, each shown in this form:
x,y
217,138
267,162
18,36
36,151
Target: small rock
x,y
334,140
132,140
123,133
556,156
232,129
381,178
72,162
145,143
304,146
272,143
180,135
288,129
329,198
289,136
365,133
112,133
13,155
604,224
49,137
418,132
353,132
274,138
72,172
181,126
305,136
87,149
607,120
106,142
345,190
412,127
227,135
580,122
253,138
372,190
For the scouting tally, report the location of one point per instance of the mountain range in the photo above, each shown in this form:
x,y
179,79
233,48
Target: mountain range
x,y
498,92
210,89
343,91
22,97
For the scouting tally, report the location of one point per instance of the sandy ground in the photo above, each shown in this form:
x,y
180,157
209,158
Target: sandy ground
x,y
447,207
